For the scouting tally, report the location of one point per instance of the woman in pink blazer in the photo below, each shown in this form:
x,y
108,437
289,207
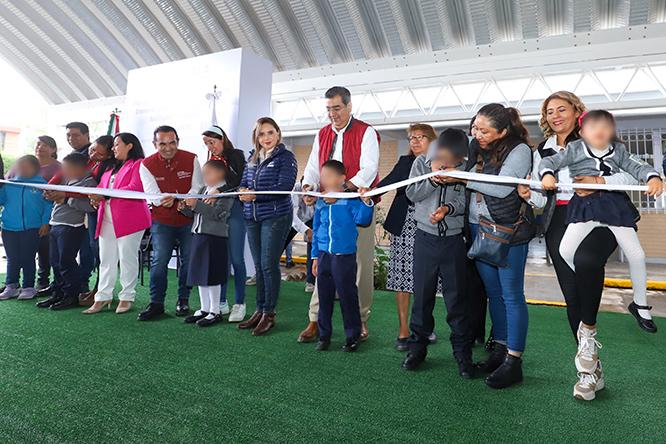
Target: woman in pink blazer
x,y
120,226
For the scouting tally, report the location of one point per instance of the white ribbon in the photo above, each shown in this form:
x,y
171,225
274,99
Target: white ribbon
x,y
475,177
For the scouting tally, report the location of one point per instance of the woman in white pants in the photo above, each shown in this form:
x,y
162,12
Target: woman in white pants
x,y
120,226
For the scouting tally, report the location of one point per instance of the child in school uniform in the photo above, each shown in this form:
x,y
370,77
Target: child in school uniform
x,y
334,236
598,153
25,218
68,232
439,252
208,261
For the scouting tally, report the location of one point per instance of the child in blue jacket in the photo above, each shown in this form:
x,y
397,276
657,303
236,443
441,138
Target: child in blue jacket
x,y
25,218
334,235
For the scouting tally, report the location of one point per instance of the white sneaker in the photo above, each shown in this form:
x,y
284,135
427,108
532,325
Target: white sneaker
x,y
27,293
252,280
589,384
587,357
224,308
10,292
237,313
309,288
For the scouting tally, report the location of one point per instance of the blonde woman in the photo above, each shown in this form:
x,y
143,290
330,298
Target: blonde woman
x,y
271,167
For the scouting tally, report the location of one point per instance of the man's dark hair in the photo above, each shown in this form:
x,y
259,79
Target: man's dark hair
x,y
78,159
165,129
78,125
341,91
335,165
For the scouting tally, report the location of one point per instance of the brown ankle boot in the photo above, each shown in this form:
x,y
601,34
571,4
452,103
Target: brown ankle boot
x,y
310,333
252,322
267,322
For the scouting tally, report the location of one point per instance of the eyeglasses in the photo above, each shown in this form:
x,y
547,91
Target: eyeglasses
x,y
417,138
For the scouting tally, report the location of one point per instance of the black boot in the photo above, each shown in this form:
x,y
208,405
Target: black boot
x,y
495,359
413,360
507,374
46,303
152,311
351,345
466,367
323,344
65,303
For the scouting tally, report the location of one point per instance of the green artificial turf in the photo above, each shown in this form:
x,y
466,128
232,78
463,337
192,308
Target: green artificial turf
x,y
66,377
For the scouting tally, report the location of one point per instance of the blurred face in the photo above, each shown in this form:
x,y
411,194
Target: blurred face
x,y
98,152
561,116
485,132
331,180
418,142
212,176
215,146
76,138
26,169
598,133
267,136
44,151
338,112
121,149
73,171
166,144
448,158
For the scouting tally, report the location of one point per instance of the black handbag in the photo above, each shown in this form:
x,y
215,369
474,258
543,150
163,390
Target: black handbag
x,y
491,244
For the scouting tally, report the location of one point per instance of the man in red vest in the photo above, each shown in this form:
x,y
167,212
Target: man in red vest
x,y
356,145
169,170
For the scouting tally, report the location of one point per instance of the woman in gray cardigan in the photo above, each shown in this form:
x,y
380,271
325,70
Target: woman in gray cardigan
x,y
210,231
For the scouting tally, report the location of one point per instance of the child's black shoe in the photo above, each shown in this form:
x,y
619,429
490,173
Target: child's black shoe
x,y
351,345
466,368
323,344
413,360
196,317
208,320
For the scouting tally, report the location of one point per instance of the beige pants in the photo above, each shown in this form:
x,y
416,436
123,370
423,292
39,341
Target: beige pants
x,y
365,276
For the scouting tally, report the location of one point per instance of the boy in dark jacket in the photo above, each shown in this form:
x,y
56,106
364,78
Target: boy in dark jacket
x,y
334,235
68,231
439,251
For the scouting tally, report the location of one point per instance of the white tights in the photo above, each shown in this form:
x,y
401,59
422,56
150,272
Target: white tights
x,y
210,299
627,239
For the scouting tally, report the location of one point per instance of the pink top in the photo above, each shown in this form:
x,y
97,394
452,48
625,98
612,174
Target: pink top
x,y
128,215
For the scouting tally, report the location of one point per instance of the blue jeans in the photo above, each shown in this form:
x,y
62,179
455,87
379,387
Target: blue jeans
x,y
267,243
65,244
288,253
21,248
164,239
236,247
506,296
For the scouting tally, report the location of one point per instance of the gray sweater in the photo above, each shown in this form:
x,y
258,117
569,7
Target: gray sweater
x,y
210,219
427,197
73,210
583,161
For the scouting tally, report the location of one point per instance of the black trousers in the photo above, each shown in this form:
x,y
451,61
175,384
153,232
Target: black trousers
x,y
443,257
44,262
65,244
582,290
337,273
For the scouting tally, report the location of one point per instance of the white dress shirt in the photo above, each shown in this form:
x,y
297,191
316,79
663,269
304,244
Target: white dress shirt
x,y
369,160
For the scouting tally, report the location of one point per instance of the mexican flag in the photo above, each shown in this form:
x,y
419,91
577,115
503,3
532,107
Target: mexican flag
x,y
114,123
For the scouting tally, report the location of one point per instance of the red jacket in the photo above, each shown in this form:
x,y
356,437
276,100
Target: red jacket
x,y
351,146
172,176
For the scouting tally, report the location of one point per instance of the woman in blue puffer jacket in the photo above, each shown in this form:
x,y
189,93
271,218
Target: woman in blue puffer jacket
x,y
271,167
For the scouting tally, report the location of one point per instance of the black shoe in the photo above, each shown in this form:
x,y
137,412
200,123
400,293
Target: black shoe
x,y
152,311
466,368
206,322
195,317
351,345
413,360
289,264
46,303
401,344
65,303
507,374
496,358
45,291
646,324
490,343
182,308
323,344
